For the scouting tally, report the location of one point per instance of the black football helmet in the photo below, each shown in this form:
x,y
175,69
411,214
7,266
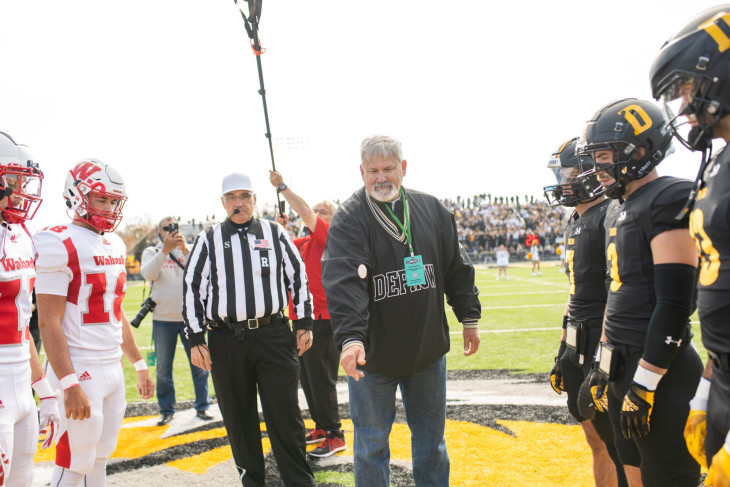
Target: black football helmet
x,y
566,166
623,127
694,65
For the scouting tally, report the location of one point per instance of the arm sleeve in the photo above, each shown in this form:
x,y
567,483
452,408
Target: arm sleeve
x,y
195,289
674,285
53,275
151,265
347,292
296,276
461,293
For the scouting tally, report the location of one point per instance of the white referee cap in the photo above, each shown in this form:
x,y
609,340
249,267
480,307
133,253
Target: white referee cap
x,y
236,182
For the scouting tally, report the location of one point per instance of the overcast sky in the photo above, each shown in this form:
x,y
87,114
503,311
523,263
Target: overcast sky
x,y
480,93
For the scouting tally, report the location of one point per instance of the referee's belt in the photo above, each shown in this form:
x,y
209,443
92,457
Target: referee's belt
x,y
720,360
251,324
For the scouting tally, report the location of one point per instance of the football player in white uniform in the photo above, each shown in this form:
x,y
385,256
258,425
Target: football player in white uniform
x,y
79,291
20,369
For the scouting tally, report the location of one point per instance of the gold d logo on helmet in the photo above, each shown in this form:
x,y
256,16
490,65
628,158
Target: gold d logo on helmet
x,y
639,126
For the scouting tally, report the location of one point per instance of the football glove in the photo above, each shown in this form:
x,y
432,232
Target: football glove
x,y
719,474
638,403
696,427
586,407
598,384
694,434
556,376
636,411
49,419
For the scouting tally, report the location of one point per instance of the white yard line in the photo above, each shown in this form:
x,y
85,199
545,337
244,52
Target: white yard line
x,y
525,306
513,330
528,293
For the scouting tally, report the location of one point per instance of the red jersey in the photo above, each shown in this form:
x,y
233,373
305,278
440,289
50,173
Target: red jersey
x,y
312,247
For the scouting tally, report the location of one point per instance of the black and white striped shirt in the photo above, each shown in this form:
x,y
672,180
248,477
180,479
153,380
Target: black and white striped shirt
x,y
238,272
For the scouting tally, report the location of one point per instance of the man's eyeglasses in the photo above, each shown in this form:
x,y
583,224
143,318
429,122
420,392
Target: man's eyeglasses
x,y
245,197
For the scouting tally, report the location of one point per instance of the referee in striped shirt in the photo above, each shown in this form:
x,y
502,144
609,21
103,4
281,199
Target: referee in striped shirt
x,y
235,287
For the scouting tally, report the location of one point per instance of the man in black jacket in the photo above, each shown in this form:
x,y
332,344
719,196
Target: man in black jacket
x,y
391,255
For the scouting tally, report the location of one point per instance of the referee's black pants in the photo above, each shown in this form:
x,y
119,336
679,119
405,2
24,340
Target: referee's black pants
x,y
265,358
662,456
319,366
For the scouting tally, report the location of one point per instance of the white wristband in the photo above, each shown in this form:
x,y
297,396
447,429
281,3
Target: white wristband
x,y
140,365
699,402
647,378
43,388
69,381
727,443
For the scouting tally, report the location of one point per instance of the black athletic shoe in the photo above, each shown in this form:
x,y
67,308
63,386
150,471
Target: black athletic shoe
x,y
203,415
165,419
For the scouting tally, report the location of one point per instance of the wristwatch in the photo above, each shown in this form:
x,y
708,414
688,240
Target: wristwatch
x,y
281,187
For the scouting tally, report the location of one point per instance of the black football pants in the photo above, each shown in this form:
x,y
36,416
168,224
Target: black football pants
x,y
662,456
266,358
718,412
319,366
574,373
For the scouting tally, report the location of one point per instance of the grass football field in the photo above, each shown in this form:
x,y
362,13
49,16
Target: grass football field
x,y
520,326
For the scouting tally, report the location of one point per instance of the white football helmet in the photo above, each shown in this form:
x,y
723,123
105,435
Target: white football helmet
x,y
20,181
91,177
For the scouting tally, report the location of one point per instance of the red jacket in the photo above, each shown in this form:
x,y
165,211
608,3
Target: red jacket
x,y
312,247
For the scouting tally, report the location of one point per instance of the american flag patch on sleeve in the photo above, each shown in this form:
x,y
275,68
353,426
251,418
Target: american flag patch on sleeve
x,y
260,244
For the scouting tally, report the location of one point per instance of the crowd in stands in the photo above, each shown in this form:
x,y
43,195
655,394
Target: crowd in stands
x,y
485,222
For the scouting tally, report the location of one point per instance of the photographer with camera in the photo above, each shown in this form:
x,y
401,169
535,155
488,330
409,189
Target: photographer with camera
x,y
163,265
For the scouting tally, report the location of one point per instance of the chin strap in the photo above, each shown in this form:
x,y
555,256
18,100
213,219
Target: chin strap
x,y
704,144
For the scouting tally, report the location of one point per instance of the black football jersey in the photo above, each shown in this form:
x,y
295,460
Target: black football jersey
x,y
630,228
585,263
710,227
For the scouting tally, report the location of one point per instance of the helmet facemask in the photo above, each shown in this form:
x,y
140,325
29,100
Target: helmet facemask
x,y
22,190
105,221
622,156
686,99
569,189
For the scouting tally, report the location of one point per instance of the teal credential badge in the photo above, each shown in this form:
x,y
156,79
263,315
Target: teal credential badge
x,y
414,270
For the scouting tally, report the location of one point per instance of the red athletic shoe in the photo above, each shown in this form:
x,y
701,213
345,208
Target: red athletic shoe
x,y
316,436
330,446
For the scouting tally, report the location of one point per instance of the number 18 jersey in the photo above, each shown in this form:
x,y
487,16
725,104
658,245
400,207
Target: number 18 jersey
x,y
87,268
17,275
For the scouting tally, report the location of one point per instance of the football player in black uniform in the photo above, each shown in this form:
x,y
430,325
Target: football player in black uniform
x,y
585,266
693,70
648,369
